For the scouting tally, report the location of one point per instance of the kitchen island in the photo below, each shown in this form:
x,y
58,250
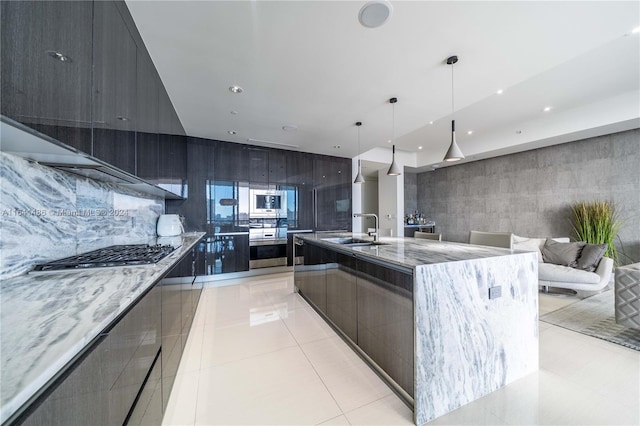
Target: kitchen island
x,y
443,323
53,322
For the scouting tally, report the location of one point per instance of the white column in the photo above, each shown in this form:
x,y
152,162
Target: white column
x,y
391,202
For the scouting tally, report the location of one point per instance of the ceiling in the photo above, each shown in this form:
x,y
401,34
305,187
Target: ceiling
x,y
313,66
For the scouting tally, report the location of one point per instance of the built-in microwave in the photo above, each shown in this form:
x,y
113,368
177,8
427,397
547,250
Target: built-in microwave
x,y
267,203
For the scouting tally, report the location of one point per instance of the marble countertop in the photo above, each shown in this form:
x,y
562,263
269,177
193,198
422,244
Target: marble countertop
x,y
411,252
46,319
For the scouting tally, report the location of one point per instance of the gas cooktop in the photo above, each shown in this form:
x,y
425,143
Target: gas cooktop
x,y
122,255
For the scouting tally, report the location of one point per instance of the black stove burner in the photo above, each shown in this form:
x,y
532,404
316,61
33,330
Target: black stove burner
x,y
125,255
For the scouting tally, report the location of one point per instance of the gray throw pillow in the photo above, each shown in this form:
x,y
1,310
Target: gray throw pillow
x,y
565,254
591,256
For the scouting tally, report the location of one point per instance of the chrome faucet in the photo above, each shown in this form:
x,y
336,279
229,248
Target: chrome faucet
x,y
377,231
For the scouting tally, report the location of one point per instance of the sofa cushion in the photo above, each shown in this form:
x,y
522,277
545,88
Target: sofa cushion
x,y
533,244
562,253
591,256
528,244
559,273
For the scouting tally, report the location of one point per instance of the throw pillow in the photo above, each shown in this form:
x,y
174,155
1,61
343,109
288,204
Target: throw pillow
x,y
591,256
527,244
565,254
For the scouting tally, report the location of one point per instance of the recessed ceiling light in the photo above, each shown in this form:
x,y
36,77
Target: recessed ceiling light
x,y
420,147
547,109
389,141
375,13
636,30
59,56
235,89
469,132
231,132
431,122
289,128
500,92
234,112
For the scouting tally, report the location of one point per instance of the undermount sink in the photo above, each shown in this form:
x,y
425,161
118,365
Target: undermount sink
x,y
353,242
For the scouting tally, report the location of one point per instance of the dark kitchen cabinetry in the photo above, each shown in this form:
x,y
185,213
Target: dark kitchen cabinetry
x,y
114,106
101,388
147,127
341,293
46,56
231,161
385,319
80,73
148,409
258,166
332,193
172,164
310,276
267,166
370,303
171,334
228,252
300,187
278,167
180,299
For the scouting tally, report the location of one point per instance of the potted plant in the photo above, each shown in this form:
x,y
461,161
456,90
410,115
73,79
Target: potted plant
x,y
596,222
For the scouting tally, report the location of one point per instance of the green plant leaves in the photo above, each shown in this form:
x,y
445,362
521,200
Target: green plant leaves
x,y
596,222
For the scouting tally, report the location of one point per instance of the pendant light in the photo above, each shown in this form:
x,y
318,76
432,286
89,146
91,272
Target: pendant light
x,y
359,177
394,169
454,153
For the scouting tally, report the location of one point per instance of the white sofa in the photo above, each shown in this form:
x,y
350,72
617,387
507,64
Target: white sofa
x,y
550,275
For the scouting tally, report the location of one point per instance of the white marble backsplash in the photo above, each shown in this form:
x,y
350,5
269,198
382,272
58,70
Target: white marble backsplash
x,y
48,214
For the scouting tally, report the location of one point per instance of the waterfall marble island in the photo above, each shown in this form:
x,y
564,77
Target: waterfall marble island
x,y
445,323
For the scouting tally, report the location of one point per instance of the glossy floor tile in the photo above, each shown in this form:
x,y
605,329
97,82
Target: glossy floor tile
x,y
258,354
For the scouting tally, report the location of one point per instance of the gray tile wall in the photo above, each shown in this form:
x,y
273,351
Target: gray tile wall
x,y
410,193
530,193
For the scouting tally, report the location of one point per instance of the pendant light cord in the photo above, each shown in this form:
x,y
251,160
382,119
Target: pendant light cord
x,y
358,143
393,124
452,104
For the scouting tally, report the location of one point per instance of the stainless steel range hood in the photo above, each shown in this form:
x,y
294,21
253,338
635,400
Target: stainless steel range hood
x,y
22,141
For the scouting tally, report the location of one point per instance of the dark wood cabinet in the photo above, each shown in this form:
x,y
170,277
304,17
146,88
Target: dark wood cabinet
x,y
310,276
300,187
341,293
46,56
172,164
278,167
80,73
332,193
385,319
267,167
114,105
102,386
370,303
147,128
148,409
171,334
258,166
228,253
231,161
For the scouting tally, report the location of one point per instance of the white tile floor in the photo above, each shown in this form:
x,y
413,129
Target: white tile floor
x,y
259,355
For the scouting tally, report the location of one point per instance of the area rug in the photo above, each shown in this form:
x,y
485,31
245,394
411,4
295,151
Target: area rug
x,y
595,316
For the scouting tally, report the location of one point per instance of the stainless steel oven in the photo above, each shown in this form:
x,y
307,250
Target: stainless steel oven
x,y
264,253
